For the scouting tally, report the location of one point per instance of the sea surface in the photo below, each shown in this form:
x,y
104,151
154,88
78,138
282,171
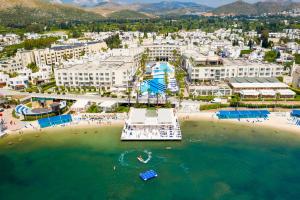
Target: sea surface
x,y
213,161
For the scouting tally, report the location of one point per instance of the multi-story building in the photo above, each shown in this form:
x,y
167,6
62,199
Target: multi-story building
x,y
117,69
214,68
162,52
50,56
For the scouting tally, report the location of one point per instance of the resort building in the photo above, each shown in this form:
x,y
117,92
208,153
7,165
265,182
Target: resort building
x,y
18,62
249,87
115,70
51,56
19,82
143,124
162,52
210,67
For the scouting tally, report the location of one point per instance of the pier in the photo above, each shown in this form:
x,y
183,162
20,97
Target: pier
x,y
143,124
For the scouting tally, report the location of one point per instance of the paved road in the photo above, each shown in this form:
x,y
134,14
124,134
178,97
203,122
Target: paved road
x,y
90,97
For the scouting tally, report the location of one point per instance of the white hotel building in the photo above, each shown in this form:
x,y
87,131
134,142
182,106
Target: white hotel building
x,y
213,68
162,52
49,56
116,69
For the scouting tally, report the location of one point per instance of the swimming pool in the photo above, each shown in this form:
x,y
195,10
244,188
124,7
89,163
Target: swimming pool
x,y
157,85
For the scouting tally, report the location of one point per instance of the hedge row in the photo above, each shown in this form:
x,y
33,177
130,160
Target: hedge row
x,y
213,106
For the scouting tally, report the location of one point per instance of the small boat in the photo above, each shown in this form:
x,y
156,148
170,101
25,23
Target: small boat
x,y
168,147
140,158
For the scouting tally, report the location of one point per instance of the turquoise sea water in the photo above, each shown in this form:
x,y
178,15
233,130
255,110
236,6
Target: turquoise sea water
x,y
214,161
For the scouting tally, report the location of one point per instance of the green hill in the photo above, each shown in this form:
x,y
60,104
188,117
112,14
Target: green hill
x,y
128,14
236,8
18,13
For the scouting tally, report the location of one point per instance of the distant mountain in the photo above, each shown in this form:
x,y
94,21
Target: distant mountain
x,y
108,8
244,8
173,7
150,9
22,12
236,8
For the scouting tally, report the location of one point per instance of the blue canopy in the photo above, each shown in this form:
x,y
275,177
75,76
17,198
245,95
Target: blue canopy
x,y
56,120
21,109
295,113
236,114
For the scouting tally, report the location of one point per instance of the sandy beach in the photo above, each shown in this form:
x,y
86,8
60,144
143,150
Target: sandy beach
x,y
277,120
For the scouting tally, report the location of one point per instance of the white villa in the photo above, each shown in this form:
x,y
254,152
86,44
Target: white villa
x,y
143,124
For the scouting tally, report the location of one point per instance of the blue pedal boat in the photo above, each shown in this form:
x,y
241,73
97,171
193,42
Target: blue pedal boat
x,y
148,175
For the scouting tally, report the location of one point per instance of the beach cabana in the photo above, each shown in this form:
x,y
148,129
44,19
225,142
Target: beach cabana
x,y
267,93
287,94
249,93
80,105
108,106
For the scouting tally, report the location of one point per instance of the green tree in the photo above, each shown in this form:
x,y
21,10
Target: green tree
x,y
33,67
93,109
271,56
113,41
297,58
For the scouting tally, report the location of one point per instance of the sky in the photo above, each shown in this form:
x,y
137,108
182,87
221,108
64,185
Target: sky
x,y
212,3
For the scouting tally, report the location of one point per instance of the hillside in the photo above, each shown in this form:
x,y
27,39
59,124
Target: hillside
x,y
24,12
110,9
236,8
128,14
174,7
107,8
243,8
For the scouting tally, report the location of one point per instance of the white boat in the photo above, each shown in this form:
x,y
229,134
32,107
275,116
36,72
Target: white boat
x,y
145,161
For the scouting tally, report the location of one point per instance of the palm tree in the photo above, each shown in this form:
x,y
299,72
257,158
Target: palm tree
x,y
148,98
137,91
129,95
168,92
180,97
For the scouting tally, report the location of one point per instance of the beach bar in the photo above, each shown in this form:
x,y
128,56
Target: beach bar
x,y
143,124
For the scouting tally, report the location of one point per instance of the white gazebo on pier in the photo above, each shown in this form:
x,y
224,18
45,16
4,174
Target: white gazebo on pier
x,y
143,124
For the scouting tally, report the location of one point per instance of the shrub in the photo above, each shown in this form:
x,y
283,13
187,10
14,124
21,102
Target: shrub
x,y
213,106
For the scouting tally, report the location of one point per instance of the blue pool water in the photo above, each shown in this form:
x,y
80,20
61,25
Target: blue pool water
x,y
156,85
162,68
